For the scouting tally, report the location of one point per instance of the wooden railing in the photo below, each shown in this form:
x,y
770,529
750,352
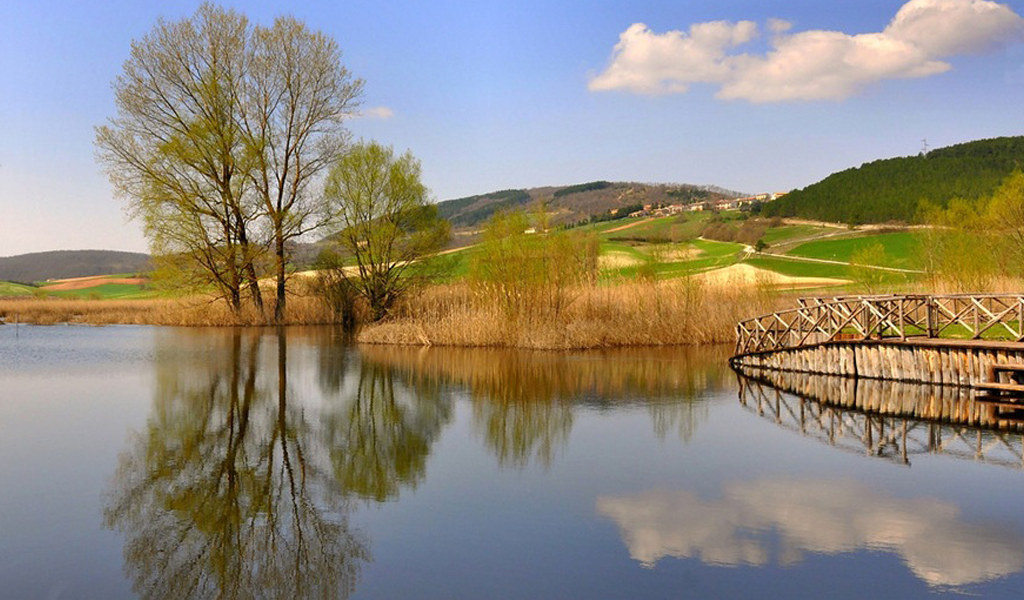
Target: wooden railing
x,y
819,320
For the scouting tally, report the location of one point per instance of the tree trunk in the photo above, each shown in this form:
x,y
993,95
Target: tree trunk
x,y
279,306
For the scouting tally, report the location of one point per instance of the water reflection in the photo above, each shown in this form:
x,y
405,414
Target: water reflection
x,y
380,433
260,445
885,419
524,402
229,491
936,542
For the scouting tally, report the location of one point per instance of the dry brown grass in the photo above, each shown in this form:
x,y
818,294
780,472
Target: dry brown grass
x,y
675,312
194,311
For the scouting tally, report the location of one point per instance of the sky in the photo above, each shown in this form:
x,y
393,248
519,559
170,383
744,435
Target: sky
x,y
750,96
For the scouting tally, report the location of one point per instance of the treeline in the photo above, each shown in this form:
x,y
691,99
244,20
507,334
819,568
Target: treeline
x,y
975,244
893,189
746,231
463,212
689,195
582,187
621,213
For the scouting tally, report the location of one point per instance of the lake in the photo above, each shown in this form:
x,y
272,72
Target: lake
x,y
200,463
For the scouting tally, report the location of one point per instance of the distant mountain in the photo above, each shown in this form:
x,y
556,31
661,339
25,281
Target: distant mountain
x,y
893,188
62,264
573,203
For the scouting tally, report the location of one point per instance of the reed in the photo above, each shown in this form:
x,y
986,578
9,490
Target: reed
x,y
678,312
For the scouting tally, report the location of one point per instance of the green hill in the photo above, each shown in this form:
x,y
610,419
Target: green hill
x,y
892,189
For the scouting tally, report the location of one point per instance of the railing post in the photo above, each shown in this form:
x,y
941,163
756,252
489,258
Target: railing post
x,y
903,323
929,308
1020,318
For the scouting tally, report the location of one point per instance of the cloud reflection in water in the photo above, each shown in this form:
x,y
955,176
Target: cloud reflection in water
x,y
932,537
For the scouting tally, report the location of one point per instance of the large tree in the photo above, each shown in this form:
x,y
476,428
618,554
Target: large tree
x,y
222,130
384,221
175,149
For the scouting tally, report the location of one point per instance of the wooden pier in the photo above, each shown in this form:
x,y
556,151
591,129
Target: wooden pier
x,y
972,341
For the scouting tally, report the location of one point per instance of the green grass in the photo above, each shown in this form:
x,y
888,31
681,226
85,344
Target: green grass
x,y
795,268
712,255
778,235
622,248
902,249
14,289
713,248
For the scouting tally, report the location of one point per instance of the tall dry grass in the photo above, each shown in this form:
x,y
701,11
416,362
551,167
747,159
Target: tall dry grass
x,y
678,312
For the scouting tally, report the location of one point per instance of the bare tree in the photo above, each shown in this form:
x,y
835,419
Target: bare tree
x,y
297,96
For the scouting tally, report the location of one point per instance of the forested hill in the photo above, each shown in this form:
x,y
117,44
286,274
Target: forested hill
x,y
568,204
892,189
60,264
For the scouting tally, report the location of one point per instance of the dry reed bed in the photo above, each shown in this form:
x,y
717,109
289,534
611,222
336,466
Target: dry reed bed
x,y
186,312
675,312
679,312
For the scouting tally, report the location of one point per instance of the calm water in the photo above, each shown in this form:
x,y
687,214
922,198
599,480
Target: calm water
x,y
168,463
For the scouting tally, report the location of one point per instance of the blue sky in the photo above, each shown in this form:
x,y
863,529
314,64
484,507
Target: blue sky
x,y
492,95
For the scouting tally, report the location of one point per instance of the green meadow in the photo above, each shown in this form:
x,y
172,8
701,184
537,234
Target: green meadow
x,y
902,250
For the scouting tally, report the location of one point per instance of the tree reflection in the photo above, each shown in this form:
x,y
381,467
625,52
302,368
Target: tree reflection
x,y
524,402
380,434
225,493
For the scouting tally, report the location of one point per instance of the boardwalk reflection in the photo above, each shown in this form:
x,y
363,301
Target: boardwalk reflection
x,y
885,419
229,492
938,544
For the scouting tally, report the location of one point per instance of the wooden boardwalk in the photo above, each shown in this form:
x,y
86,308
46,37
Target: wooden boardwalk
x,y
963,340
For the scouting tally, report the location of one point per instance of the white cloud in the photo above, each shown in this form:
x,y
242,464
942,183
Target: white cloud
x,y
948,27
651,63
808,65
376,112
779,25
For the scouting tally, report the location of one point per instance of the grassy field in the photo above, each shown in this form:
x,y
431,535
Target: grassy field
x,y
902,249
795,268
686,226
8,289
107,291
669,261
786,233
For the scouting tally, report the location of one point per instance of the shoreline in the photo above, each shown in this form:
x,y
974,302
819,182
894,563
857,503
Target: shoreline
x,y
626,315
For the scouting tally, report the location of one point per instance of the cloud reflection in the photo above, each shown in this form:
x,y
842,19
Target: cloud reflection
x,y
935,541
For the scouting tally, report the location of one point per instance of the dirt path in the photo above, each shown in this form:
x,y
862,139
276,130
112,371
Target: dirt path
x,y
627,226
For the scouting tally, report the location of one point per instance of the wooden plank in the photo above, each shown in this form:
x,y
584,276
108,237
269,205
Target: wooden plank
x,y
1002,387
